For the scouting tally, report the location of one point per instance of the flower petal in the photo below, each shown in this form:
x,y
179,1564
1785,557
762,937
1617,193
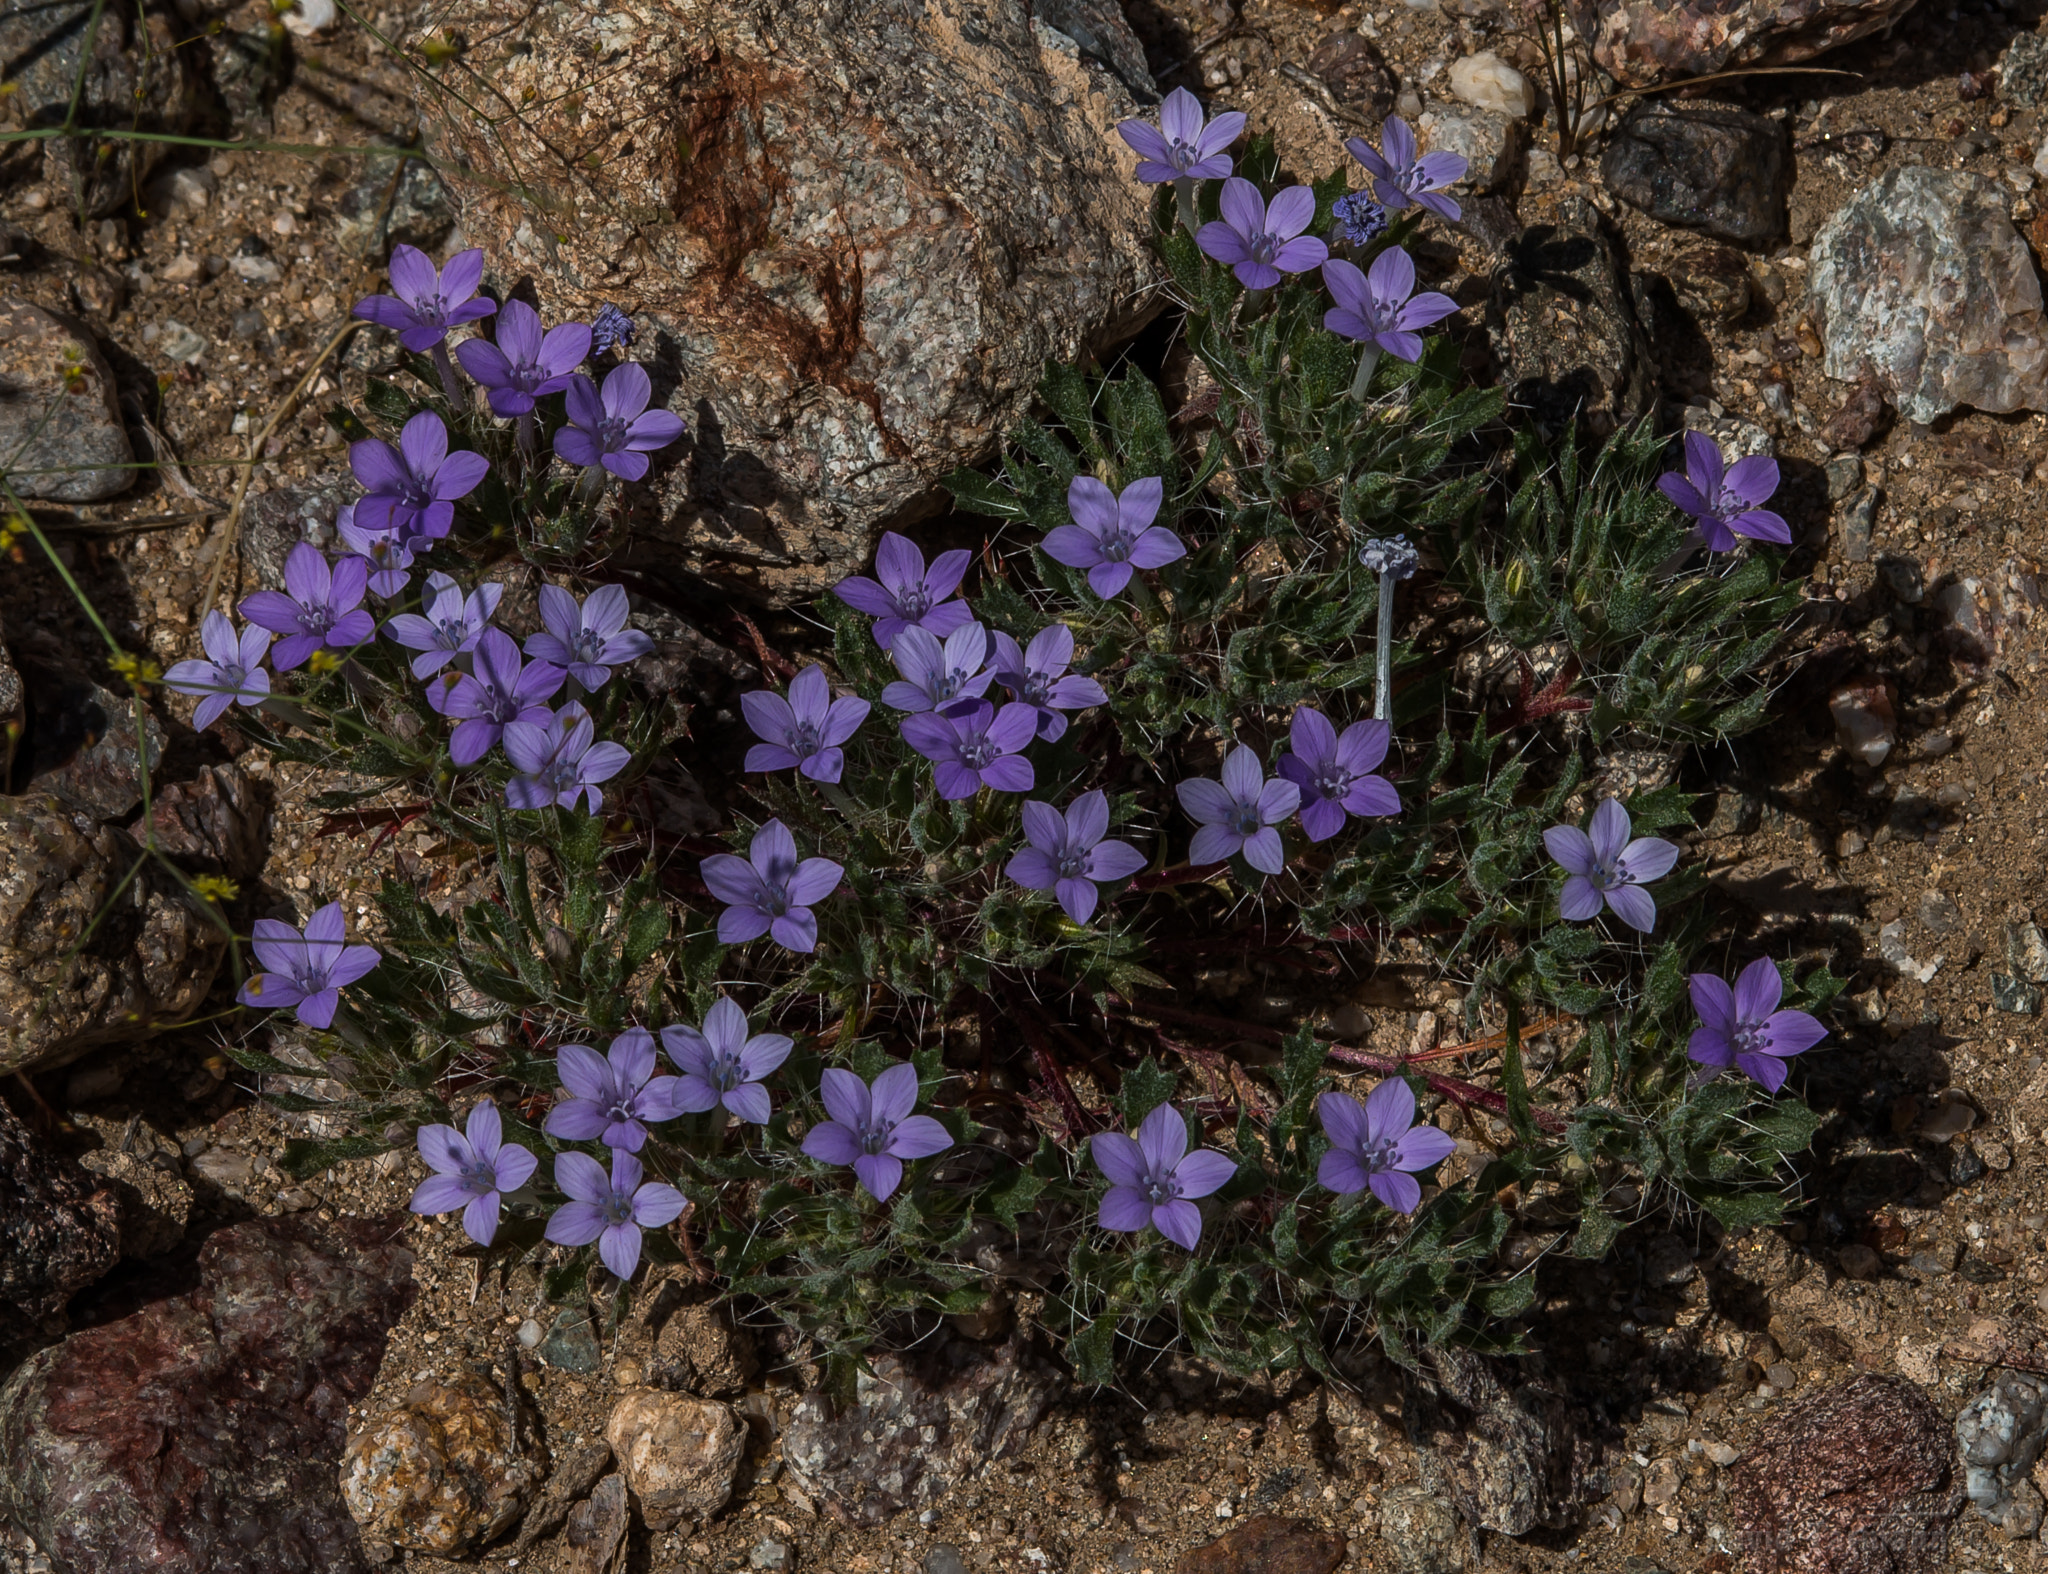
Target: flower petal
x,y
1634,906
880,1173
1203,1172
919,1137
1608,830
1180,1222
1758,989
1125,1209
1118,1157
831,1143
1163,1135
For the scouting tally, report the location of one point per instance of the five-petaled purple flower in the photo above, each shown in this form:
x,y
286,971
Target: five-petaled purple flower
x,y
306,969
611,1211
1608,867
1259,240
1182,147
321,604
769,892
232,673
1334,772
1724,499
1399,177
1743,1027
872,1128
937,675
499,690
723,1067
1154,1180
905,592
1377,1143
1066,853
388,550
473,1169
524,364
1038,676
588,640
1381,307
427,303
804,730
451,624
975,745
1239,813
613,1096
557,762
411,489
1111,535
615,428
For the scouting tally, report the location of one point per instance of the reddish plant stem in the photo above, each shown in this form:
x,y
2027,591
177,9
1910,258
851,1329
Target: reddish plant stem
x,y
1049,1069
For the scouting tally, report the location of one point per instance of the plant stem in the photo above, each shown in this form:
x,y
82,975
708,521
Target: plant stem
x,y
1184,195
1368,358
524,432
1383,653
590,485
450,384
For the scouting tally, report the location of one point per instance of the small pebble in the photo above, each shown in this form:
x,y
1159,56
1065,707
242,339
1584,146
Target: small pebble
x,y
1723,1453
529,1334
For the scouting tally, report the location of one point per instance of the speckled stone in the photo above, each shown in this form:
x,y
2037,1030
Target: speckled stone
x,y
1642,42
1721,171
442,1471
678,1453
59,423
59,1228
1268,1544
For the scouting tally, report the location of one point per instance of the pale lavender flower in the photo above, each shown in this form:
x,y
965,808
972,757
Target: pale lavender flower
x,y
804,731
524,364
451,624
1723,499
1113,534
307,969
610,329
872,1128
1154,1180
974,746
1399,177
411,489
1037,675
1334,772
615,1096
1358,218
724,1067
615,428
1239,813
935,675
1261,241
321,604
1608,867
499,689
589,639
611,1211
904,592
769,892
232,673
1743,1027
1182,147
428,303
473,1169
1381,307
388,550
1066,853
1378,1143
557,762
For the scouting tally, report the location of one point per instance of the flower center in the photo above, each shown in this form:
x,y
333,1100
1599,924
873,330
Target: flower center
x,y
1750,1038
1071,865
432,310
558,775
1161,1188
975,753
1116,544
451,632
617,1208
1264,248
805,740
611,434
1244,819
315,620
874,1138
1332,781
1184,155
587,646
913,602
499,705
620,1112
774,899
1607,874
725,1073
948,684
309,976
478,1176
1378,1156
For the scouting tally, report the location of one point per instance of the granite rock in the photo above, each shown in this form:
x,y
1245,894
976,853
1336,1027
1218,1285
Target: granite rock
x,y
280,519
1420,1530
60,420
1644,42
2023,71
594,1541
1509,1456
1490,143
145,1171
60,1229
2001,1433
1268,1544
1723,171
393,204
678,1454
1351,66
216,823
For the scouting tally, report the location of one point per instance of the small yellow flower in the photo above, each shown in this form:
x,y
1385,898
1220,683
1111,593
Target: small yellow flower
x,y
439,49
139,671
216,889
255,984
323,660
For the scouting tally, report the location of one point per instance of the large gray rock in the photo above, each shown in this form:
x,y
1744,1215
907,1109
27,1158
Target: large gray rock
x,y
2001,1433
1923,283
1718,170
60,425
851,232
1642,42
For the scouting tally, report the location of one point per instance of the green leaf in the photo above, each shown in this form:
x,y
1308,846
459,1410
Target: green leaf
x,y
645,931
1090,1353
1144,1089
305,1157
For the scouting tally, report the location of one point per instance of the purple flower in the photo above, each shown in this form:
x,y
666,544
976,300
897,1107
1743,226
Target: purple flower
x,y
612,1097
1038,676
524,364
471,1172
1334,772
611,1211
805,730
1261,241
936,675
1111,534
557,762
1376,307
769,892
722,1067
321,604
1238,815
1607,866
1066,853
1358,218
1400,177
451,626
872,1128
498,690
1742,1027
975,746
610,329
428,303
1393,555
232,673
905,592
591,639
615,428
387,550
1376,1143
1182,147
308,970
1153,1179
412,489
1722,498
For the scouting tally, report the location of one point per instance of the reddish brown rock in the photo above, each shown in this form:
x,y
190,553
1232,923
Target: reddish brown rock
x,y
442,1471
1268,1545
1642,42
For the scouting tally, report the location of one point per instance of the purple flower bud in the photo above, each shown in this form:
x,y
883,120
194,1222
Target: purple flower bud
x,y
1111,535
590,639
610,329
1334,772
1743,1027
1066,853
412,489
804,731
524,364
1038,677
1358,218
1378,1143
1154,1180
1724,499
905,592
306,969
1608,867
558,763
321,604
1181,147
769,892
872,1128
615,428
935,675
975,746
611,1211
428,303
497,690
388,550
1400,178
472,1171
1377,308
1238,814
451,626
612,1097
232,674
723,1067
1261,241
